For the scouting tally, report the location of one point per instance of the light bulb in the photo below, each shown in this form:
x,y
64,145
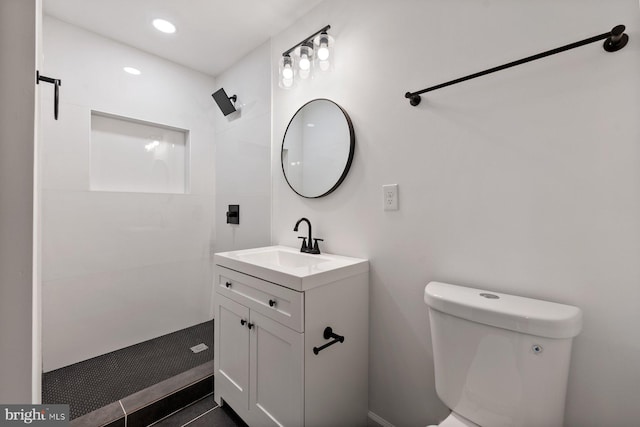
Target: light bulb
x,y
287,72
323,52
305,64
306,52
323,47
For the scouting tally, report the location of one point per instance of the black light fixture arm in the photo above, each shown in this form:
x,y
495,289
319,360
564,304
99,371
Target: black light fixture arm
x,y
322,30
615,40
56,88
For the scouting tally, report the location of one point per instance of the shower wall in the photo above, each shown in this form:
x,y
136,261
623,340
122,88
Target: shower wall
x,y
120,267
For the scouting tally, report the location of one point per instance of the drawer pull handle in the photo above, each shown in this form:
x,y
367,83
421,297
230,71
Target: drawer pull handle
x,y
228,285
243,322
250,325
328,334
272,303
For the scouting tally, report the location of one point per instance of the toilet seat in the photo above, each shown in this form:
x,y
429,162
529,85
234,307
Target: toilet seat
x,y
455,420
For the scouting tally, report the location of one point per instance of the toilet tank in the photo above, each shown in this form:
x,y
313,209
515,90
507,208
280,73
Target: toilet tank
x,y
501,360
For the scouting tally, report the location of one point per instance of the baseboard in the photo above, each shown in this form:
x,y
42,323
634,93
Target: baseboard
x,y
375,420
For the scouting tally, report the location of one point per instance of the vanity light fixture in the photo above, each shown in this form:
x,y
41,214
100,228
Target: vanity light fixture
x,y
164,26
302,60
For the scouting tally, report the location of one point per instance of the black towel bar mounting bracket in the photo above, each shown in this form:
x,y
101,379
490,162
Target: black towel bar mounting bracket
x,y
614,40
56,90
328,334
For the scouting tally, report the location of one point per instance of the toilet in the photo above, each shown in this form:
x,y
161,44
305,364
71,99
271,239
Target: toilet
x,y
500,360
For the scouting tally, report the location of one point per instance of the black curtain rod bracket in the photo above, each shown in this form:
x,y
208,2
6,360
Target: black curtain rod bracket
x,y
56,90
614,40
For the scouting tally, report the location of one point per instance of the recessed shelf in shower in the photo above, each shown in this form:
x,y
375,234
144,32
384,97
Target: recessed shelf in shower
x,y
129,155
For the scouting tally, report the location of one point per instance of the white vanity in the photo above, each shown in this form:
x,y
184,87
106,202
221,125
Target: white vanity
x,y
273,366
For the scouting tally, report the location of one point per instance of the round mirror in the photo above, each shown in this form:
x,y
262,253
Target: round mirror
x,y
317,148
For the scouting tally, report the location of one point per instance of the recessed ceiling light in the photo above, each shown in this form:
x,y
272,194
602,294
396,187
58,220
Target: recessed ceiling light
x,y
132,70
164,26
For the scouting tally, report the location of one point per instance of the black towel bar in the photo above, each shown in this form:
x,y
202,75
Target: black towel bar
x,y
616,39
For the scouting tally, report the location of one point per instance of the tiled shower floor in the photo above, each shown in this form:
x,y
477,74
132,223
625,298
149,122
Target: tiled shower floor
x,y
94,383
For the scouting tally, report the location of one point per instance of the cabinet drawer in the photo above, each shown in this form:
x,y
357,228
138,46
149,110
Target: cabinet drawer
x,y
281,304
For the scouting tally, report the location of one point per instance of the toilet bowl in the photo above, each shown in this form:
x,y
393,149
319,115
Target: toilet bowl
x,y
500,360
455,420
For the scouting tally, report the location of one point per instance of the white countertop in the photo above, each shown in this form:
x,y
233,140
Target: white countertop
x,y
291,268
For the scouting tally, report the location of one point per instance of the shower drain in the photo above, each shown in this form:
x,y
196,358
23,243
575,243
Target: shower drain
x,y
198,348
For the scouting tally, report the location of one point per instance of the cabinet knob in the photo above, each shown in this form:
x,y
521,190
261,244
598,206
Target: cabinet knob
x,y
250,325
228,285
272,303
243,322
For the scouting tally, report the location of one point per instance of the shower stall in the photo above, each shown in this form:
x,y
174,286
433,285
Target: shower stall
x,y
127,191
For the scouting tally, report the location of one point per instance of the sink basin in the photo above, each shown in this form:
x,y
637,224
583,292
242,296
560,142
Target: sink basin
x,y
281,258
291,268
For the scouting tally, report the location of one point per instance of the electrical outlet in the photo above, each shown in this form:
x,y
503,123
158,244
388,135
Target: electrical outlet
x,y
390,192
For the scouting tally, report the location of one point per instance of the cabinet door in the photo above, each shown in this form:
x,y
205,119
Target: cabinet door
x,y
277,374
232,340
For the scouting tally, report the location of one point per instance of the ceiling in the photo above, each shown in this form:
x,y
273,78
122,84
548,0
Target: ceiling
x,y
211,34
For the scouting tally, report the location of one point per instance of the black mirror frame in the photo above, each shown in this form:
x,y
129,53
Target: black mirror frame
x,y
352,145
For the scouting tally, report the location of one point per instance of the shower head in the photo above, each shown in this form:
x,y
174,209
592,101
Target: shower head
x,y
224,101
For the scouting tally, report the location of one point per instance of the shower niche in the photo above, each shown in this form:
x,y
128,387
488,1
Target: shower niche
x,y
129,155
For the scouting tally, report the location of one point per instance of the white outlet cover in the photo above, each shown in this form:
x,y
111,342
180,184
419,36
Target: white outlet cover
x,y
390,197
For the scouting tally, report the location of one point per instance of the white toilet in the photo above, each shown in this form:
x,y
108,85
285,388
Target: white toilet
x,y
500,360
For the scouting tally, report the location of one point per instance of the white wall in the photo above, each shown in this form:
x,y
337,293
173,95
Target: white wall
x,y
120,268
243,156
526,181
18,35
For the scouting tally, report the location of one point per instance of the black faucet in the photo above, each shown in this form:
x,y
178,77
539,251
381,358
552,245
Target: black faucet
x,y
310,248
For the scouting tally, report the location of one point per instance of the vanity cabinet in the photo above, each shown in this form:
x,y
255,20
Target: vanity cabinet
x,y
259,359
264,340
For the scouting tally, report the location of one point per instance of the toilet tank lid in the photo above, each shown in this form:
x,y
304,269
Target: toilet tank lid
x,y
520,314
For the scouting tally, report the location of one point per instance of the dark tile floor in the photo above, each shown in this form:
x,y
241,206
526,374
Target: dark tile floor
x,y
205,412
94,383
